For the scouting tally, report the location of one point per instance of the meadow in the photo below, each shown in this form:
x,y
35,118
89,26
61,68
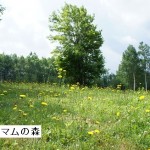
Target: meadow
x,y
74,117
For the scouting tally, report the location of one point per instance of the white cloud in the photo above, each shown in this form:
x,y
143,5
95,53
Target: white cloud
x,y
129,40
128,12
24,27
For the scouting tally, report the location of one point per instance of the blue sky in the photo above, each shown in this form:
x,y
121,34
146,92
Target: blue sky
x,y
24,26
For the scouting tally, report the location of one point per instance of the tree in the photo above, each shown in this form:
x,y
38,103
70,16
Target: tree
x,y
1,11
78,44
6,67
129,68
144,55
21,69
32,65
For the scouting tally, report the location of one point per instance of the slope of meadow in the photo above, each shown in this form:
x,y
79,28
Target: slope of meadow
x,y
76,118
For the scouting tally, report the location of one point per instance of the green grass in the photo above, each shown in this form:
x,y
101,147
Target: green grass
x,y
76,118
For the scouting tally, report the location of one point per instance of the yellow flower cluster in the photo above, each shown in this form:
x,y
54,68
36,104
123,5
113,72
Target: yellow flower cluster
x,y
142,97
21,111
93,132
61,73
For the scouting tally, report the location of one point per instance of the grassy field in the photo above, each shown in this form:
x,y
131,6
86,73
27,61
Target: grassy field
x,y
74,118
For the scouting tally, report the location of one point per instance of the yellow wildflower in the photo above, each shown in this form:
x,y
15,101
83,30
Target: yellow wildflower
x,y
72,88
22,96
147,110
60,76
118,114
44,104
64,110
90,132
89,98
142,97
96,131
60,69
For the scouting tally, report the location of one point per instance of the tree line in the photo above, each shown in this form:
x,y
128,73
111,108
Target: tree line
x,y
27,69
31,68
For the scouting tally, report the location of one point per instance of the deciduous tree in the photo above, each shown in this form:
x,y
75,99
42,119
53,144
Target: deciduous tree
x,y
79,42
144,55
129,68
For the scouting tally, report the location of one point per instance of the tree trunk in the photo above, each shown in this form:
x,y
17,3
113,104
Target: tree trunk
x,y
145,82
134,81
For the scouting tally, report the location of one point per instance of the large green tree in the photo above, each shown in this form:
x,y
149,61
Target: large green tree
x,y
129,69
144,55
79,42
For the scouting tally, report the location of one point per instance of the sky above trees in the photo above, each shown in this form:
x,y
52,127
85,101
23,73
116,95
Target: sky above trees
x,y
24,26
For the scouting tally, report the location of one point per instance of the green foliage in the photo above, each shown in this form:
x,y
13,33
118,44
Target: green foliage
x,y
107,80
79,42
76,118
1,10
129,68
29,69
134,69
144,55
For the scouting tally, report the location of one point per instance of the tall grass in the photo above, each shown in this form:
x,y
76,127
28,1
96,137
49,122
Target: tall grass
x,y
76,118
